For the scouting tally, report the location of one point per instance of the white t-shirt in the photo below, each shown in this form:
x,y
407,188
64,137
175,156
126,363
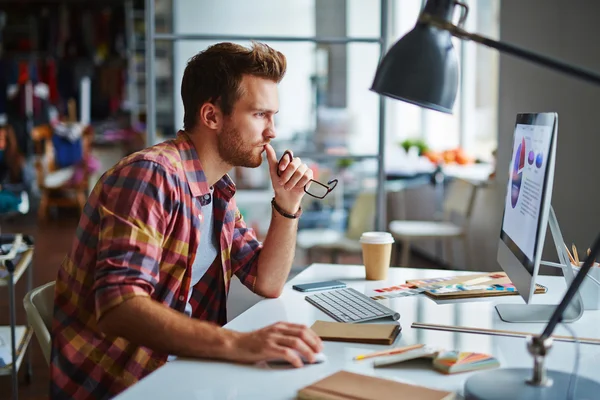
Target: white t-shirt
x,y
207,248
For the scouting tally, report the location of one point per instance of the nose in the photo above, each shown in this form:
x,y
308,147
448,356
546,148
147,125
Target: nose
x,y
269,132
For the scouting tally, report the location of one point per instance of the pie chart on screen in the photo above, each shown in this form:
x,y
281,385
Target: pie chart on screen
x,y
517,173
539,160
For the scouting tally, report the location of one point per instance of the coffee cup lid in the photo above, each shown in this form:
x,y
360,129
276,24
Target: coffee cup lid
x,y
376,237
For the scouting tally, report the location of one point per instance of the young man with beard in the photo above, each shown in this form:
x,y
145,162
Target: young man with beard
x,y
161,237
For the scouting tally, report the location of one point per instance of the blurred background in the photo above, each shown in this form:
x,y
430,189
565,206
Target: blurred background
x,y
84,83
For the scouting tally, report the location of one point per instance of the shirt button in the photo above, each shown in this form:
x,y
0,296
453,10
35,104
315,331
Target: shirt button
x,y
181,298
201,217
207,197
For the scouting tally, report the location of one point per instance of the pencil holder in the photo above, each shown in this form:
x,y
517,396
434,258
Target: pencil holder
x,y
590,291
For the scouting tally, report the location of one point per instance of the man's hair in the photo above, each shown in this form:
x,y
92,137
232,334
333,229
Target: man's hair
x,y
214,76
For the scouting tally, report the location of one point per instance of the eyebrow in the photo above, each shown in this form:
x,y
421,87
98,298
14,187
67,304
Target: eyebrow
x,y
264,110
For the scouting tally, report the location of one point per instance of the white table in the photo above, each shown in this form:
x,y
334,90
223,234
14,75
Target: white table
x,y
196,379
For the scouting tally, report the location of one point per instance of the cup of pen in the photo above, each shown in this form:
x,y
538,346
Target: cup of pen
x,y
376,254
589,290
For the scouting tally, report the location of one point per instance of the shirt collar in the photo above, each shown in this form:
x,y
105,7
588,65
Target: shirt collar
x,y
194,172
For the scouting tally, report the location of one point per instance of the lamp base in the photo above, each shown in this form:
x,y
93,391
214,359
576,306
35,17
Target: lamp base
x,y
511,383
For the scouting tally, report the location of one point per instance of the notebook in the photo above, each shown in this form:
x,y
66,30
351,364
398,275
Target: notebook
x,y
359,333
469,286
447,362
348,385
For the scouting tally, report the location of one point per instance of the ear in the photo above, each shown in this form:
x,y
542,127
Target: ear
x,y
210,115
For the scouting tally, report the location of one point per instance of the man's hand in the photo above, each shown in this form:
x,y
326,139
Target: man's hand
x,y
289,184
282,340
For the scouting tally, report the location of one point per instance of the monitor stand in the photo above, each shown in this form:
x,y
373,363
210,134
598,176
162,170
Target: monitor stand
x,y
541,312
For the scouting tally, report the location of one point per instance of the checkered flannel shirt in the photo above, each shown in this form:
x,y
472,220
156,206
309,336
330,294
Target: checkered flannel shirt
x,y
137,237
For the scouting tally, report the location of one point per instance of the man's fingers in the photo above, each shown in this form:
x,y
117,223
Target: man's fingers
x,y
290,356
271,159
296,177
284,326
307,335
304,181
285,161
289,170
297,345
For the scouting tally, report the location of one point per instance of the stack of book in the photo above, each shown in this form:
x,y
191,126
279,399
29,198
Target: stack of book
x,y
447,362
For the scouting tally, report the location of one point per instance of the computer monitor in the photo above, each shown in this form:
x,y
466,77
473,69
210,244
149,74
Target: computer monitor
x,y
527,209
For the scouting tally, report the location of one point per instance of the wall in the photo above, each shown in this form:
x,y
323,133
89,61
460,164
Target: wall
x,y
566,30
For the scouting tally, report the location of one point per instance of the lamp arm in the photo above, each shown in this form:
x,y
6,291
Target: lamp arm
x,y
535,58
577,281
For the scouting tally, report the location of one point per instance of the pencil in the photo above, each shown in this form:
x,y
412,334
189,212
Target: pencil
x,y
570,256
575,255
389,352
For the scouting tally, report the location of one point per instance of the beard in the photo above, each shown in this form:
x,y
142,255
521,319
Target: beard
x,y
234,151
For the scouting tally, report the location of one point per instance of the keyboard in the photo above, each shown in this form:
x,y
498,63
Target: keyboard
x,y
349,305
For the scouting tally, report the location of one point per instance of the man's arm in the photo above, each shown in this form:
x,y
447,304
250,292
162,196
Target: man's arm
x,y
127,270
148,323
276,257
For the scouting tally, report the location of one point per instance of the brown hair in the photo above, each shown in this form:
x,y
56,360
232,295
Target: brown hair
x,y
214,75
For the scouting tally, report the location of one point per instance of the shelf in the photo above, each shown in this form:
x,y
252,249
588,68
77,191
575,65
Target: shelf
x,y
23,262
238,38
23,335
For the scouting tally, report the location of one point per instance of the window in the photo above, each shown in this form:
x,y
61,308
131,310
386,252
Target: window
x,y
473,126
339,76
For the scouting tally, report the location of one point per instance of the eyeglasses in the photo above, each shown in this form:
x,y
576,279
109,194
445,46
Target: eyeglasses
x,y
313,188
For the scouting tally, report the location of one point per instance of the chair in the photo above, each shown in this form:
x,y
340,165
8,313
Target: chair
x,y
361,219
459,201
39,307
55,184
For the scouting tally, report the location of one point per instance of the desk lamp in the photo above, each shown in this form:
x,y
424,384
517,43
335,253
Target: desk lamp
x,y
422,69
512,383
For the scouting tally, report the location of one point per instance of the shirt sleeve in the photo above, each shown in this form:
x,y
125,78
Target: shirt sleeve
x,y
134,207
244,252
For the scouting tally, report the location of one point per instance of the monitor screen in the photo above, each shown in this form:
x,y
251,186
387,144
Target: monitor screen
x,y
526,187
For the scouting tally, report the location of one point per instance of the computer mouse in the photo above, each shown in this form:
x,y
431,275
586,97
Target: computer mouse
x,y
319,358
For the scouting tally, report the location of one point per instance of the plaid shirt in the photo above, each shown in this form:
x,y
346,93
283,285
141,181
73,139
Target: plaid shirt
x,y
138,236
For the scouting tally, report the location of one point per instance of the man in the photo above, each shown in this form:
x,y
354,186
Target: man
x,y
161,236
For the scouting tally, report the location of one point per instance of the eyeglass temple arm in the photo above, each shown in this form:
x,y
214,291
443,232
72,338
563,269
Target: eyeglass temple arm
x,y
287,153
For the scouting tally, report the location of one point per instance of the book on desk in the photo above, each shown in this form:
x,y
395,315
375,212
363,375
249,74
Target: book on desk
x,y
444,361
357,333
489,284
348,385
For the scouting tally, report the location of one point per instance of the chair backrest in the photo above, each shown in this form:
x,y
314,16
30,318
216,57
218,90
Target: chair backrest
x,y
39,307
459,199
362,215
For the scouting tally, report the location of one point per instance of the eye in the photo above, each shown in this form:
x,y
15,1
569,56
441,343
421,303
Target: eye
x,y
260,114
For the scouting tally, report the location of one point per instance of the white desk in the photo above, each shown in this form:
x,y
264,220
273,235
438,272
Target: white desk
x,y
195,379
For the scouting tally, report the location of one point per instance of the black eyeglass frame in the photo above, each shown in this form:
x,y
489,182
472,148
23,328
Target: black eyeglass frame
x,y
330,185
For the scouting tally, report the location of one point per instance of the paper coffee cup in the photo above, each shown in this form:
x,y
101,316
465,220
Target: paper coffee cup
x,y
376,252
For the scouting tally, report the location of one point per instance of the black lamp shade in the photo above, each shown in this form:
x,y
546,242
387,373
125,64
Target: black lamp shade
x,y
421,68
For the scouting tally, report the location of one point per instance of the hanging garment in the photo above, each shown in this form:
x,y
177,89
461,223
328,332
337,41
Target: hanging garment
x,y
66,152
67,142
